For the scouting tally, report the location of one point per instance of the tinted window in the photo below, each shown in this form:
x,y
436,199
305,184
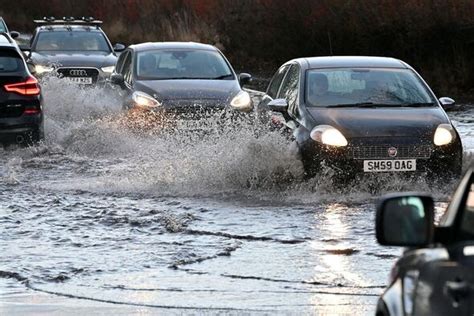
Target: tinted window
x,y
289,89
71,41
10,62
348,86
126,71
120,62
182,64
276,82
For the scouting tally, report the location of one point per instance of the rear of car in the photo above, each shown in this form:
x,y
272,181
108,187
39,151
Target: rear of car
x,y
21,115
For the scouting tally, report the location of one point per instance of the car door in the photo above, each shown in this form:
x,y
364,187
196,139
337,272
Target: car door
x,y
446,287
271,93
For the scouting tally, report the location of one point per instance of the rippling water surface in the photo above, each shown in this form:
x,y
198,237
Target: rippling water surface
x,y
104,218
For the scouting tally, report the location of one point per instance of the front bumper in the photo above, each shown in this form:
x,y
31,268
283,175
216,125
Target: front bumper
x,y
437,160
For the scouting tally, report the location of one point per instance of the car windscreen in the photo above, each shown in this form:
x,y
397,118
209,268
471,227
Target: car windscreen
x,y
10,62
351,86
2,27
181,64
71,41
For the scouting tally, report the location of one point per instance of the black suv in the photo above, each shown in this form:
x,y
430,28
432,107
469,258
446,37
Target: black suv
x,y
77,49
435,275
21,114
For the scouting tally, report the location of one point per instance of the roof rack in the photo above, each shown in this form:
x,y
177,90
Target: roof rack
x,y
51,20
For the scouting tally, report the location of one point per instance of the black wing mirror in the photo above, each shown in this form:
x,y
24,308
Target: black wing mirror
x,y
245,78
118,47
117,78
405,220
278,105
14,34
447,103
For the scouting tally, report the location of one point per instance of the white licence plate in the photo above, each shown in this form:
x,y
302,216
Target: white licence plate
x,y
389,165
81,80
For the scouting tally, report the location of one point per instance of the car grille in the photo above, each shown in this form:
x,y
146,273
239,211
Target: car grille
x,y
79,72
382,151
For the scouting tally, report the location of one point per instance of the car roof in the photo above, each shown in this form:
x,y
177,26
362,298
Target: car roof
x,y
171,45
351,61
7,42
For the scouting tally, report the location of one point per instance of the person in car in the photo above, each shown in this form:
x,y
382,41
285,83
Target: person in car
x,y
318,91
147,65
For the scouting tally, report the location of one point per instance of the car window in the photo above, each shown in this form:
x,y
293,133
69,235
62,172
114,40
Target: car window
x,y
71,41
467,223
2,26
127,69
276,82
326,87
10,62
120,62
289,88
182,64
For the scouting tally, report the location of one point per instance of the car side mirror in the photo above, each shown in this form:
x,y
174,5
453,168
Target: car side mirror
x,y
278,105
31,68
14,34
245,78
447,103
405,220
118,47
117,78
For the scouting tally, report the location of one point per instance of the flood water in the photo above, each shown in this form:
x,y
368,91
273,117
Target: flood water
x,y
104,219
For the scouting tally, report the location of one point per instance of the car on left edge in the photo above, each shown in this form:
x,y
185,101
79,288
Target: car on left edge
x,y
76,49
21,102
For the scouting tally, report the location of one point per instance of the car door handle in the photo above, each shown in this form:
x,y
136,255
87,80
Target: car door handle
x,y
457,289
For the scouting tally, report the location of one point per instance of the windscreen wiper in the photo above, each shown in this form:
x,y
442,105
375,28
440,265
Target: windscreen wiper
x,y
353,105
417,104
222,77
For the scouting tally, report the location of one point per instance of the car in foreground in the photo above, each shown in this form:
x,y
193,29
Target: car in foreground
x,y
179,83
21,103
4,29
435,274
363,115
77,50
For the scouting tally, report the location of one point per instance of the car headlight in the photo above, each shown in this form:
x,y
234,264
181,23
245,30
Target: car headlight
x,y
242,101
108,69
328,135
409,286
42,69
444,135
144,100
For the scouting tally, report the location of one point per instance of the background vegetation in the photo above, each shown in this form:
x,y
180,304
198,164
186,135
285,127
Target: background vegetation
x,y
434,36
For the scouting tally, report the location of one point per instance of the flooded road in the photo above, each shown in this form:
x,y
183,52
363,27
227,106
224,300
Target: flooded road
x,y
101,219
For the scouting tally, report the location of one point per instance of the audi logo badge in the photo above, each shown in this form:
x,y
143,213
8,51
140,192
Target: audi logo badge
x,y
78,73
392,152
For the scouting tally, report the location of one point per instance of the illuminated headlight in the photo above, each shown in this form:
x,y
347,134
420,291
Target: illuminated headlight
x,y
328,135
42,69
108,69
144,100
242,101
409,286
444,135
